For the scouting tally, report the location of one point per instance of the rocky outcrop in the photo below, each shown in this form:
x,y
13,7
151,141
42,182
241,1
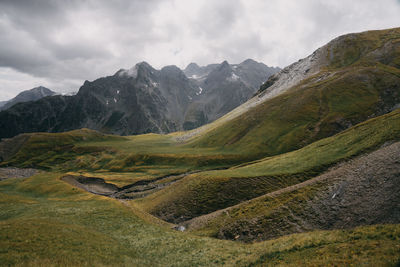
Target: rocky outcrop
x,y
221,88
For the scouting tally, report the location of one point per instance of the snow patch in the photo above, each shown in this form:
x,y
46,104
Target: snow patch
x,y
115,100
200,91
118,92
233,77
68,93
197,77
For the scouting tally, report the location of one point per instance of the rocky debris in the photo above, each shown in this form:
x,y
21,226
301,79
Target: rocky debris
x,y
180,228
11,172
294,73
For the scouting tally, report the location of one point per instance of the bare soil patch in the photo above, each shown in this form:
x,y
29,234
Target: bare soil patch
x,y
11,172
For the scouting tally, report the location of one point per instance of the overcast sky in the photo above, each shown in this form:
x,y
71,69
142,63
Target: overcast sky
x,y
59,44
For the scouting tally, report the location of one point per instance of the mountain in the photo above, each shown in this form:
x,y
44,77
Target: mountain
x,y
142,100
222,87
26,96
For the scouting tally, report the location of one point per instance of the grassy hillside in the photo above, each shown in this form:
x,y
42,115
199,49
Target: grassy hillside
x,y
360,80
45,221
311,111
205,192
362,191
365,48
91,151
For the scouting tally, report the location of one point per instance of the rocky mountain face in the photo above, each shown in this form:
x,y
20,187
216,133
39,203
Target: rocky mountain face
x,y
142,100
26,96
221,88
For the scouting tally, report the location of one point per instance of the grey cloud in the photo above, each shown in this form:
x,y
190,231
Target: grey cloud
x,y
30,45
63,43
217,19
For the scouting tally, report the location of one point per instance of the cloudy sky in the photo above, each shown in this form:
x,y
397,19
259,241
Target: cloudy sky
x,y
59,44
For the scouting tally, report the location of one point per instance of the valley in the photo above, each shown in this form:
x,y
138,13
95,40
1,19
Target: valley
x,y
304,172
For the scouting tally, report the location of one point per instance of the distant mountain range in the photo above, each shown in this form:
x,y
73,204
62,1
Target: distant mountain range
x,y
26,96
142,100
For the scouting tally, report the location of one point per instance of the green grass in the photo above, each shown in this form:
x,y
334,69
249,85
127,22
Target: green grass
x,y
357,49
44,221
89,151
334,248
202,193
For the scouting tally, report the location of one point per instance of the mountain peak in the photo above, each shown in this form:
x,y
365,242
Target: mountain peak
x,y
193,69
225,63
142,67
248,62
224,66
144,64
171,67
192,65
42,90
29,95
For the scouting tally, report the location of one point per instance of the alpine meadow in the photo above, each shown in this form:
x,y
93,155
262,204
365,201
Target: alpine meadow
x,y
218,164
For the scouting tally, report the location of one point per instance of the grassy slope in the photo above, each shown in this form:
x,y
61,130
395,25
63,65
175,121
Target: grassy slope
x,y
365,186
47,222
362,77
309,112
89,151
205,192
